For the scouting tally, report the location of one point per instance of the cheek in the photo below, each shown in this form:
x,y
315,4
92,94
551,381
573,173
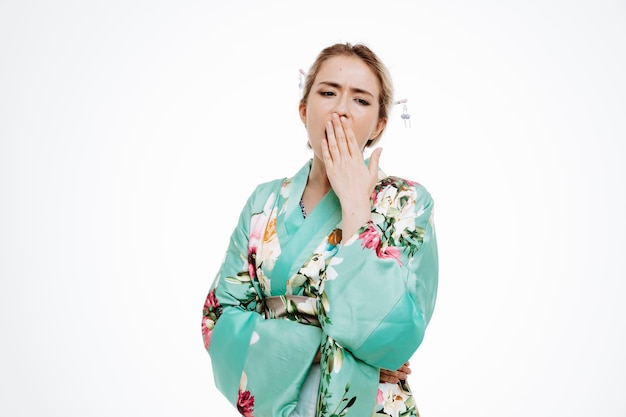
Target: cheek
x,y
366,127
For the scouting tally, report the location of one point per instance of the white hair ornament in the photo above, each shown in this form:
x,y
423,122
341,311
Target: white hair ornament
x,y
405,112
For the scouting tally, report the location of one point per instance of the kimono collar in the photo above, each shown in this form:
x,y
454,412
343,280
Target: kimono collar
x,y
299,237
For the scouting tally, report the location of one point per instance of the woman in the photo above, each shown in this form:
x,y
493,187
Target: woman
x,y
330,277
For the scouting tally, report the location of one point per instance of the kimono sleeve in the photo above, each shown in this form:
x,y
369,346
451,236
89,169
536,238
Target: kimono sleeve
x,y
380,294
256,362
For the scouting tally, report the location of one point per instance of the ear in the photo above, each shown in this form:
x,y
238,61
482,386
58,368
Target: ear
x,y
380,126
302,111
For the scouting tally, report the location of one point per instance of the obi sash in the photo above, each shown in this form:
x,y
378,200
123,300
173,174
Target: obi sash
x,y
291,307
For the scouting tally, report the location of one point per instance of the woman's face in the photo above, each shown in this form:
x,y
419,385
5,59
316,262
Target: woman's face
x,y
347,86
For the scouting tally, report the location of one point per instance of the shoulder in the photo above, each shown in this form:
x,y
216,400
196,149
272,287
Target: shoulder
x,y
401,202
402,191
270,186
277,189
268,190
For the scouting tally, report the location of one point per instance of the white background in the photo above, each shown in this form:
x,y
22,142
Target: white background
x,y
131,132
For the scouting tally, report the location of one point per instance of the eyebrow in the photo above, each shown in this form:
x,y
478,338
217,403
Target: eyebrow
x,y
353,89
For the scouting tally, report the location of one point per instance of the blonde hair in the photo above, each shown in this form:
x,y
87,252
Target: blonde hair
x,y
371,60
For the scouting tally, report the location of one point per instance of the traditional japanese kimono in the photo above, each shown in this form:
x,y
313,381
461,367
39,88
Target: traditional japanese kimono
x,y
290,286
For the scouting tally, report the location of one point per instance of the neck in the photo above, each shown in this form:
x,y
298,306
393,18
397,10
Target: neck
x,y
317,177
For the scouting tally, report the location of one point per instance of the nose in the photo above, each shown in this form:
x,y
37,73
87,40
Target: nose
x,y
342,105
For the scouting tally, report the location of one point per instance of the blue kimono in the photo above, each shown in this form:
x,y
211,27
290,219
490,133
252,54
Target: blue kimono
x,y
291,287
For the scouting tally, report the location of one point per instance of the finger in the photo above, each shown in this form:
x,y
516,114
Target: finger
x,y
389,380
373,168
340,134
328,160
386,377
387,373
403,372
351,142
405,368
401,375
394,375
331,139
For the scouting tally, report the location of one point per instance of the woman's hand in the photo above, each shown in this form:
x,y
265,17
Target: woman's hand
x,y
351,180
393,377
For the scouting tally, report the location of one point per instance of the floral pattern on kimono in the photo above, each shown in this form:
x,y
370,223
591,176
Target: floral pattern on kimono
x,y
363,301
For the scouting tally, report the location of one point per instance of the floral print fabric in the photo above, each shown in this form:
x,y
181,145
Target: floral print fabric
x,y
373,296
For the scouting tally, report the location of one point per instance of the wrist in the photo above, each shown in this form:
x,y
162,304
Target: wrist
x,y
352,222
355,207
